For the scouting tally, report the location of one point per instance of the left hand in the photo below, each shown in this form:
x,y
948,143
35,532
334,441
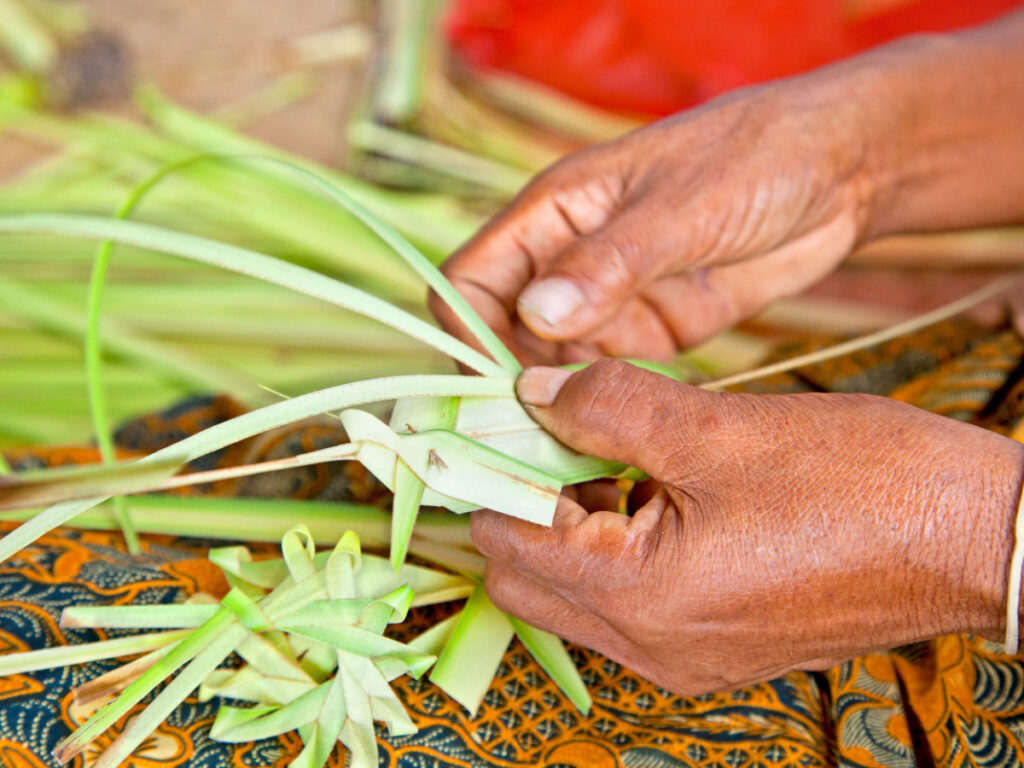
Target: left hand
x,y
789,532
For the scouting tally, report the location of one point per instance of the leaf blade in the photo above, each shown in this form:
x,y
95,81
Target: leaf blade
x,y
252,263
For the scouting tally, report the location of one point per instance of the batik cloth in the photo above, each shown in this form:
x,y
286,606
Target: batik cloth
x,y
954,701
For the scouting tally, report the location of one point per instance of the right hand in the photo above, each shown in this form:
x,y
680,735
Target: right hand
x,y
788,532
656,241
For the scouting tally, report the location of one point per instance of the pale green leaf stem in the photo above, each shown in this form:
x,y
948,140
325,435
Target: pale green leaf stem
x,y
267,520
188,680
213,630
550,653
270,417
466,667
137,616
119,678
82,653
251,263
413,415
94,355
53,485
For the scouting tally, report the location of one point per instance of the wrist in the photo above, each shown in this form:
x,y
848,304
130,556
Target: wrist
x,y
939,117
980,540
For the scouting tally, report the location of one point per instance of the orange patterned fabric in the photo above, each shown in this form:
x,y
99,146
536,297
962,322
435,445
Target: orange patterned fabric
x,y
955,701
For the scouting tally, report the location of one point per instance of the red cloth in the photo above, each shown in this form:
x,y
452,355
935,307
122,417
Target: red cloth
x,y
659,56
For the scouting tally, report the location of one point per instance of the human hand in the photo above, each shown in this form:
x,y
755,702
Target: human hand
x,y
789,532
654,242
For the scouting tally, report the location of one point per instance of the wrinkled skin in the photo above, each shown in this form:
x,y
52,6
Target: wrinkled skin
x,y
781,532
656,241
788,531
663,254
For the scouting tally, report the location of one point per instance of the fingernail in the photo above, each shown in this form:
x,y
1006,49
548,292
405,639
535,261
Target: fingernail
x,y
552,300
540,386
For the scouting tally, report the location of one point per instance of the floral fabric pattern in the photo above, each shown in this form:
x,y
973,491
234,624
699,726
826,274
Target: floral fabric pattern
x,y
955,701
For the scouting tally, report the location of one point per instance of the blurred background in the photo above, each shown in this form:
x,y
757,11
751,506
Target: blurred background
x,y
432,113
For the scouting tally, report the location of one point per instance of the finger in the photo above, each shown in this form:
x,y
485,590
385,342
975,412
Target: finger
x,y
638,330
643,492
508,539
578,555
623,413
531,348
492,269
697,305
523,597
598,495
590,280
558,206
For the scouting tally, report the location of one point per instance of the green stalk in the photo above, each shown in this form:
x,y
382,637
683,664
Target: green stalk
x,y
267,202
408,490
269,519
197,641
550,653
38,429
398,86
116,680
554,111
471,657
411,416
47,486
83,653
234,725
54,315
447,554
425,269
97,401
25,39
93,349
271,270
419,263
269,417
147,721
178,616
440,158
93,343
417,216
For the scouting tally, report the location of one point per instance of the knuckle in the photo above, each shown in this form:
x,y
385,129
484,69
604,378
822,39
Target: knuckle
x,y
547,182
485,530
500,585
636,412
613,393
605,262
604,369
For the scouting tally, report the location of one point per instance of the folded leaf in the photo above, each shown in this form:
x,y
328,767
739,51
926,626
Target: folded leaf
x,y
471,657
464,470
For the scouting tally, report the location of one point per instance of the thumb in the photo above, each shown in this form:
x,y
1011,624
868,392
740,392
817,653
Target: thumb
x,y
588,281
623,413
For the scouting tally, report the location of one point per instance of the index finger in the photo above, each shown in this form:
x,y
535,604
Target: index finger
x,y
508,539
494,267
576,543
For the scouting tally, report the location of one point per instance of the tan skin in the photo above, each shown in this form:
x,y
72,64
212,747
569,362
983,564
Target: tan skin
x,y
791,531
